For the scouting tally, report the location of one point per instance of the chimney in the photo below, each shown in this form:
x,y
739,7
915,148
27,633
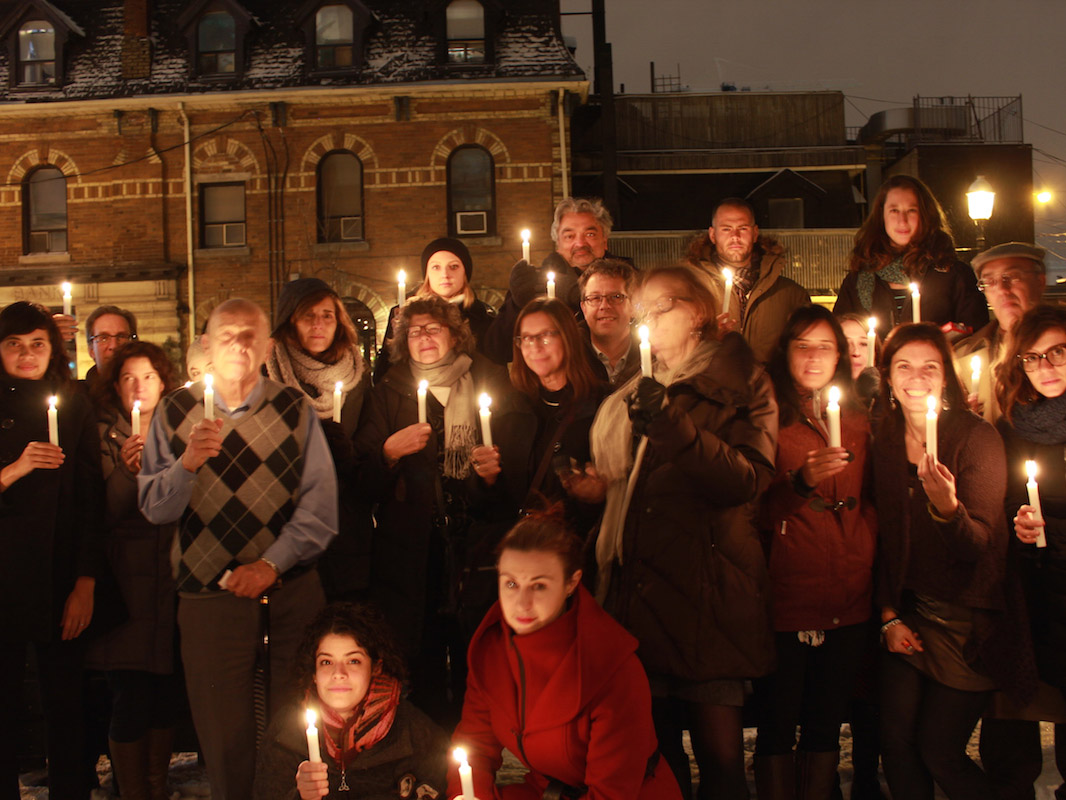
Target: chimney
x,y
136,46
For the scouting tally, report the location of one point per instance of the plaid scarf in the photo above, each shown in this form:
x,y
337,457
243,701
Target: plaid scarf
x,y
889,273
369,724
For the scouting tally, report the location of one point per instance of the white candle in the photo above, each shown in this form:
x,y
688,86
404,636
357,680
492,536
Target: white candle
x,y
422,387
525,245
313,754
209,396
832,413
66,298
466,775
135,417
337,400
975,377
728,275
486,417
401,288
53,420
645,352
1034,501
916,303
551,285
930,426
871,337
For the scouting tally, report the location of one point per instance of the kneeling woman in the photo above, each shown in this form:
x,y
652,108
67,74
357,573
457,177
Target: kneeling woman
x,y
349,672
557,682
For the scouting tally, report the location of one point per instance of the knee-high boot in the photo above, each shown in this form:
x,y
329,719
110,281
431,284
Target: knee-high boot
x,y
129,763
159,751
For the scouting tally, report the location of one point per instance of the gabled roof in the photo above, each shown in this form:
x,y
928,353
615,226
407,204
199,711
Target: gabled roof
x,y
359,10
790,178
44,8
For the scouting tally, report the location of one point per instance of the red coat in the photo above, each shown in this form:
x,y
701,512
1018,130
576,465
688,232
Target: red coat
x,y
821,562
586,719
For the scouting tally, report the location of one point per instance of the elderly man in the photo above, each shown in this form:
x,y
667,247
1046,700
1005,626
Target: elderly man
x,y
606,300
255,491
762,297
580,231
1012,277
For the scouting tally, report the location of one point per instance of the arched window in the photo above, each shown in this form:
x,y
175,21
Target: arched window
x,y
471,192
465,23
44,197
37,52
334,37
216,43
340,197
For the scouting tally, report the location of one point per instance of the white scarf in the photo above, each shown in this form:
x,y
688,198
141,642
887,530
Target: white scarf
x,y
450,382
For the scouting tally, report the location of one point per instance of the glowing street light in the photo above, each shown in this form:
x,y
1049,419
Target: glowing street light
x,y
980,197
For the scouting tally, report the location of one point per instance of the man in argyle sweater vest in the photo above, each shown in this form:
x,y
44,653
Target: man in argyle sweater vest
x,y
256,495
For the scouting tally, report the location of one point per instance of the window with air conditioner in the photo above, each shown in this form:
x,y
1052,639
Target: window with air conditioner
x,y
222,215
471,192
340,197
334,37
44,195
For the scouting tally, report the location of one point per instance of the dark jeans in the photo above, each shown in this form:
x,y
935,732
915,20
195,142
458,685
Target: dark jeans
x,y
1013,757
812,688
925,727
141,700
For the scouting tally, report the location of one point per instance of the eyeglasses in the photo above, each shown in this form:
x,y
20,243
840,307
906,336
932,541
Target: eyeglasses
x,y
544,338
424,330
615,299
820,350
1056,357
118,338
1005,281
664,305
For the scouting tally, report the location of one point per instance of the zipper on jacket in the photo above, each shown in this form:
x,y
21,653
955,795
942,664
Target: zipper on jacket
x,y
521,701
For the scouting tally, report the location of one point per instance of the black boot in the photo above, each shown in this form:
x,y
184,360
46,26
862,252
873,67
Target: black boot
x,y
159,752
129,764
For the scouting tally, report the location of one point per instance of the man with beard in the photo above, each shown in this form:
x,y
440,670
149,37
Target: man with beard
x,y
607,302
762,297
580,231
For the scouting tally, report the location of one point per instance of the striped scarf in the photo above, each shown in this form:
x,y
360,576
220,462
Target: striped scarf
x,y
369,724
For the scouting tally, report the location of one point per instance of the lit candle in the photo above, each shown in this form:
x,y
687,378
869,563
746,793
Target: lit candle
x,y
645,352
53,420
832,413
930,426
466,775
975,378
525,245
728,274
209,396
486,417
916,303
1034,501
66,298
188,384
422,387
313,754
871,326
337,400
551,285
401,288
135,417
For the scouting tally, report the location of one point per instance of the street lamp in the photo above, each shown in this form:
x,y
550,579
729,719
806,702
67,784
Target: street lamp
x,y
980,197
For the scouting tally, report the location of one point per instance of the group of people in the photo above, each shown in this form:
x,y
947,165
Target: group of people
x,y
575,558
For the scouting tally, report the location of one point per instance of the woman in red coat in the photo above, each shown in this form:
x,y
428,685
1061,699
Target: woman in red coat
x,y
821,527
557,682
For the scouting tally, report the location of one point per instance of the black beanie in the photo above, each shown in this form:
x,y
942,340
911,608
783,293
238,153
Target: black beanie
x,y
292,293
452,246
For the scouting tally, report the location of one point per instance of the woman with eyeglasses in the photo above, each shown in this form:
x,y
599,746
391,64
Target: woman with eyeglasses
x,y
820,524
51,518
420,474
446,272
1032,393
942,542
685,457
905,241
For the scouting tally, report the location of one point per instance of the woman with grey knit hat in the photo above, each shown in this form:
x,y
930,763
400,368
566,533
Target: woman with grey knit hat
x,y
446,272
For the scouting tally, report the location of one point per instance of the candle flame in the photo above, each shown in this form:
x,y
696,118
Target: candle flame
x,y
209,380
551,277
525,235
643,332
459,754
1030,470
930,403
871,324
52,401
728,275
338,386
401,277
188,384
834,395
136,405
484,401
66,287
913,287
975,363
311,717
423,385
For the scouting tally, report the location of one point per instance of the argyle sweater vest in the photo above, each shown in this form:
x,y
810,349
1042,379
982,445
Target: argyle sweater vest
x,y
243,496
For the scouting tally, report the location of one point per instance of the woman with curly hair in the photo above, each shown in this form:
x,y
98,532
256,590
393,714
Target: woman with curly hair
x,y
137,657
905,240
348,670
421,476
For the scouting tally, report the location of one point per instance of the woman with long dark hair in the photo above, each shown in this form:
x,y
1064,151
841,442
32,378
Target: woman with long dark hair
x,y
905,240
942,546
50,511
820,522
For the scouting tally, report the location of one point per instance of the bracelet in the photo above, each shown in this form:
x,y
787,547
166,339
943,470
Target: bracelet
x,y
272,565
889,624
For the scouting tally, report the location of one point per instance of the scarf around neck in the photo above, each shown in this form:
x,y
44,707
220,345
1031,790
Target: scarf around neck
x,y
1043,421
314,378
891,272
452,375
370,723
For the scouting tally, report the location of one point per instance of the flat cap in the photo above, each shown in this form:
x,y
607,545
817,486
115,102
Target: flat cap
x,y
1009,250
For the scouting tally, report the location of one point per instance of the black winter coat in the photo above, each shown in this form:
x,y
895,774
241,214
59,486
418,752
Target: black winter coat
x,y
51,519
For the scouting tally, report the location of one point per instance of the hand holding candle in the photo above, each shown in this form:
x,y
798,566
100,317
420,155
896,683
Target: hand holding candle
x,y
916,303
53,420
484,401
645,352
135,418
313,754
209,396
67,298
1034,501
728,295
466,775
832,414
930,426
337,387
423,386
525,245
551,285
871,353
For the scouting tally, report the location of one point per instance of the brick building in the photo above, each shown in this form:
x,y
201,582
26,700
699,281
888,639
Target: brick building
x,y
166,155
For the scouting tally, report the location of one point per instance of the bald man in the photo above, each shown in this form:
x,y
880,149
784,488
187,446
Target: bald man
x,y
256,495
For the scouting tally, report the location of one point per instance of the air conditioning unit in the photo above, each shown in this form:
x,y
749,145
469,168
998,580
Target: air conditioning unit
x,y
39,242
468,223
351,228
233,234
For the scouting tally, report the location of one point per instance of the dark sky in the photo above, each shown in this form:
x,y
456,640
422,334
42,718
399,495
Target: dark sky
x,y
879,54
